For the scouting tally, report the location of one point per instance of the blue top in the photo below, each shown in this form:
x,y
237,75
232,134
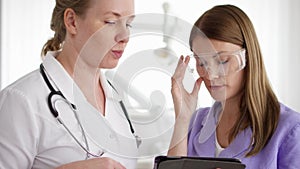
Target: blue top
x,y
282,151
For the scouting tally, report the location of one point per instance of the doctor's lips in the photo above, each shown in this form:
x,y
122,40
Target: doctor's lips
x,y
216,87
117,53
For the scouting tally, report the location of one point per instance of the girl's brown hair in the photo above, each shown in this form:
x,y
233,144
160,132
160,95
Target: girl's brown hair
x,y
259,106
57,22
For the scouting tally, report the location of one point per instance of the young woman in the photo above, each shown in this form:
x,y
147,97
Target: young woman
x,y
44,115
246,121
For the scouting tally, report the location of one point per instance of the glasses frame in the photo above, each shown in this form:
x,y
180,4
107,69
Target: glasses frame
x,y
240,54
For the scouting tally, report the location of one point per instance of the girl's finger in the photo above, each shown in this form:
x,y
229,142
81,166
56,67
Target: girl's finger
x,y
181,67
196,87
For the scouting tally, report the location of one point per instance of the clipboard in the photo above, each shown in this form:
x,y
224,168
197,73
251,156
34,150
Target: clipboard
x,y
184,162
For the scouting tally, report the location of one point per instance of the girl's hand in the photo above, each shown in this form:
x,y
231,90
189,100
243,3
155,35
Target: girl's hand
x,y
184,103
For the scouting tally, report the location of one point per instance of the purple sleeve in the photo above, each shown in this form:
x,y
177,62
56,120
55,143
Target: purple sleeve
x,y
195,127
289,152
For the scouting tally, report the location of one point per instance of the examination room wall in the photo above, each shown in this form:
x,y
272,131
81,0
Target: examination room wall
x,y
25,28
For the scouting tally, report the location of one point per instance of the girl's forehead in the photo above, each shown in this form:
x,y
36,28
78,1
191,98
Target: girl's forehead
x,y
202,44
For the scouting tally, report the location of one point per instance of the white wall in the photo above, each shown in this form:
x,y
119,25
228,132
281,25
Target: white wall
x,y
25,28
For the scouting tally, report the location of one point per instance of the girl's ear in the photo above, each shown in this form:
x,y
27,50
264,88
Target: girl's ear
x,y
70,21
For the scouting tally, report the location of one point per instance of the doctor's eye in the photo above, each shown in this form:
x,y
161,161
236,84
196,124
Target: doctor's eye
x,y
128,25
110,22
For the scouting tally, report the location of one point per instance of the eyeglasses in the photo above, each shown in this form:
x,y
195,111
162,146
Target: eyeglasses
x,y
220,63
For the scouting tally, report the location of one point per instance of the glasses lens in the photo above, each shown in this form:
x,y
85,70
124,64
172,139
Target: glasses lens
x,y
201,66
222,64
228,64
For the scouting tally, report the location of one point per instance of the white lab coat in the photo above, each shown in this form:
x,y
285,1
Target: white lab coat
x,y
30,136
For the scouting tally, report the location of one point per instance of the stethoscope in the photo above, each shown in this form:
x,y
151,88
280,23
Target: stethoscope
x,y
51,105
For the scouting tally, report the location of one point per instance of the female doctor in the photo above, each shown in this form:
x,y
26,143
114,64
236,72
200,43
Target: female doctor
x,y
44,115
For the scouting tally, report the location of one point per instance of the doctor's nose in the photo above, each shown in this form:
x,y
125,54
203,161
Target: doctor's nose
x,y
122,35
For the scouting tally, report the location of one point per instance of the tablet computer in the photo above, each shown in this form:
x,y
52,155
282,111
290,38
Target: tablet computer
x,y
184,162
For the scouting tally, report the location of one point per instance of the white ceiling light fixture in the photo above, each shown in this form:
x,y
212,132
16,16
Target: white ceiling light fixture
x,y
165,54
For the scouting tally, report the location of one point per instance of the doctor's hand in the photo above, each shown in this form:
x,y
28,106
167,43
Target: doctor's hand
x,y
184,102
95,163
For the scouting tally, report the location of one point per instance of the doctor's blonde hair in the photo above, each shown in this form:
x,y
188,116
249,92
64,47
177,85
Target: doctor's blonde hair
x,y
259,106
57,22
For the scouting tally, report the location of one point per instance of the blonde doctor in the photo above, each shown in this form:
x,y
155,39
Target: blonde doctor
x,y
64,114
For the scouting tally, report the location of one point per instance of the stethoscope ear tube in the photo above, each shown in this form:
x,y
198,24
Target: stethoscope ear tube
x,y
42,70
127,117
54,112
52,92
51,105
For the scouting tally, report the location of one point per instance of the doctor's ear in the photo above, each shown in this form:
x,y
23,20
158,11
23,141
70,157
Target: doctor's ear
x,y
70,21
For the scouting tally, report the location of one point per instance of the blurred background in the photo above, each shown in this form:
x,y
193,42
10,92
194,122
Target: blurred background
x,y
25,27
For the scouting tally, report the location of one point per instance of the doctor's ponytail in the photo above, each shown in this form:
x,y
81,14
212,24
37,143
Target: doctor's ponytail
x,y
57,22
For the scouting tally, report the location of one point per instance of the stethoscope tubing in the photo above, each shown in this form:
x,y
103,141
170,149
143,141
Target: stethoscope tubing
x,y
54,112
